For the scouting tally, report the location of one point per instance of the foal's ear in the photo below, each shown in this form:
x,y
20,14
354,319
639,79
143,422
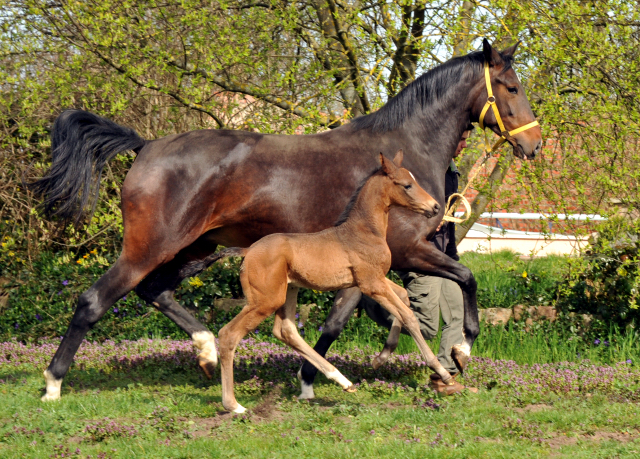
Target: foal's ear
x,y
387,165
490,54
397,159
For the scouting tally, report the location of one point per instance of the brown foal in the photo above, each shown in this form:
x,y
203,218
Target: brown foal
x,y
354,253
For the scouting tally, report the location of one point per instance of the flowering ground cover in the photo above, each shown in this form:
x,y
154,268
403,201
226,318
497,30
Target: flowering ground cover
x,y
147,398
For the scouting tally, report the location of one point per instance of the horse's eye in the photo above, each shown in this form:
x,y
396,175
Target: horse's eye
x,y
408,187
513,90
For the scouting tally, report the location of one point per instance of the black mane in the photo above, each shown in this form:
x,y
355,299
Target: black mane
x,y
354,197
430,88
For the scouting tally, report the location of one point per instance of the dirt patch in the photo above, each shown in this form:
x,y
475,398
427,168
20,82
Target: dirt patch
x,y
267,410
559,441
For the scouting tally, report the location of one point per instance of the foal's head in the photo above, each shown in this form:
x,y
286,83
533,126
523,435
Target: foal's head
x,y
404,191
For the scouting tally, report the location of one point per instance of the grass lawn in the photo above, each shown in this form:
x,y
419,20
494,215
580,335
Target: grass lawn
x,y
147,399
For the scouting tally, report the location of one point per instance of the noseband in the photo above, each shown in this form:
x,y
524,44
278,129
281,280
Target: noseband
x,y
491,102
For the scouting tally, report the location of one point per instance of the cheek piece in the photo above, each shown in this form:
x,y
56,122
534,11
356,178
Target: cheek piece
x,y
491,102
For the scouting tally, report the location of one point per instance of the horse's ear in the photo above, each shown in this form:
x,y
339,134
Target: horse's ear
x,y
387,165
511,50
490,54
397,159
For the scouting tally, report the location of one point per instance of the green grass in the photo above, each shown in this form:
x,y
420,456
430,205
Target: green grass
x,y
177,414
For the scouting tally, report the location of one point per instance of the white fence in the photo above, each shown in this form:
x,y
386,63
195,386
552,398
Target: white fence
x,y
490,239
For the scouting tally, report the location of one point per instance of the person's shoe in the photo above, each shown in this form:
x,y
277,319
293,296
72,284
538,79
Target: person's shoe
x,y
440,387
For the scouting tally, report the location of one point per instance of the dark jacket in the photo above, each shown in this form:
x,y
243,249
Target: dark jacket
x,y
445,238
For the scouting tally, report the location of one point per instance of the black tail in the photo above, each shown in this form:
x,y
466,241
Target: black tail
x,y
81,144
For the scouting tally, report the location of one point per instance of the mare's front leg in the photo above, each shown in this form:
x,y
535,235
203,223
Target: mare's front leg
x,y
340,313
423,257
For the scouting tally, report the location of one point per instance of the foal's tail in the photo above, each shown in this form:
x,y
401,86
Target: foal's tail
x,y
81,144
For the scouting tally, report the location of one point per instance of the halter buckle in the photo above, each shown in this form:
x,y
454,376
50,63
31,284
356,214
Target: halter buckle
x,y
491,99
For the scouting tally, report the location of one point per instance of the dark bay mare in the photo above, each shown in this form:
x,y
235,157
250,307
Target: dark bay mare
x,y
186,194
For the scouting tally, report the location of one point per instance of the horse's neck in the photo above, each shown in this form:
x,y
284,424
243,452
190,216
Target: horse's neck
x,y
371,209
438,127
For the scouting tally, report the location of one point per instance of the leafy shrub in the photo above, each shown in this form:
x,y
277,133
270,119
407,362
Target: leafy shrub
x,y
605,280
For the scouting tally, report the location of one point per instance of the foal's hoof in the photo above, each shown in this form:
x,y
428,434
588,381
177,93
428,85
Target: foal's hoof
x,y
239,409
460,356
207,366
351,389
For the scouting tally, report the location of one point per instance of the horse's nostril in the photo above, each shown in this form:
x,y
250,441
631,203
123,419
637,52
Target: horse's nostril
x,y
436,208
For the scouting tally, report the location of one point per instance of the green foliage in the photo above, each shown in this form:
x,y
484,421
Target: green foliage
x,y
505,280
605,280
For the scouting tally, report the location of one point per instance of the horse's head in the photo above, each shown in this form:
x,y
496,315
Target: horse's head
x,y
511,101
404,190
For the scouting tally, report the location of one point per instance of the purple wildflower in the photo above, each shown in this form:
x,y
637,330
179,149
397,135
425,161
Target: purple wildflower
x,y
124,298
300,325
116,310
606,343
17,325
628,360
65,282
596,342
38,318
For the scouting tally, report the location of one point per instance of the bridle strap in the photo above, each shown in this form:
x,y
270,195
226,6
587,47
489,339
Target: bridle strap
x,y
491,102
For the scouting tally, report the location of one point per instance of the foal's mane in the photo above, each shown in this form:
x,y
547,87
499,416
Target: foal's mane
x,y
354,197
434,87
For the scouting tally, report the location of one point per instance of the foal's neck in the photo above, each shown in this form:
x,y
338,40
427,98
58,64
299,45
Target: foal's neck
x,y
371,209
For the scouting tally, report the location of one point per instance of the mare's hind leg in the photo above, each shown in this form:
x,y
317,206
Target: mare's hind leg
x,y
158,290
285,330
92,305
340,313
394,333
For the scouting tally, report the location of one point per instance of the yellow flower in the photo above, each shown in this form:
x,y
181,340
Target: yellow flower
x,y
4,244
524,274
195,282
11,254
86,256
79,261
94,251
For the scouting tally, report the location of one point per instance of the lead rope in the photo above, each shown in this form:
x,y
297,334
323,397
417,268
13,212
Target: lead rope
x,y
491,102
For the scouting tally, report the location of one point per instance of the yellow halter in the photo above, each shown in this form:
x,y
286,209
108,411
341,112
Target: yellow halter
x,y
491,102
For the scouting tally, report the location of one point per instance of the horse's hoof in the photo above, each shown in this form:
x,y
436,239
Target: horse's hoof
x,y
239,409
50,398
351,389
306,391
460,357
207,366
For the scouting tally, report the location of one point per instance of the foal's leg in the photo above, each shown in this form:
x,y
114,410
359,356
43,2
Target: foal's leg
x,y
343,306
394,332
383,293
121,278
285,330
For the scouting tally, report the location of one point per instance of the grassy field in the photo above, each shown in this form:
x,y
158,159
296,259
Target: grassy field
x,y
147,399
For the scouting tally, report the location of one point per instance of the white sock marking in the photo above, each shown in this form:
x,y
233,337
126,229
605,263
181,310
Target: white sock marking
x,y
306,390
205,341
239,409
53,387
339,378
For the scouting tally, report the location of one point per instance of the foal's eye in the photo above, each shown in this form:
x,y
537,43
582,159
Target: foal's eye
x,y
408,187
513,90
